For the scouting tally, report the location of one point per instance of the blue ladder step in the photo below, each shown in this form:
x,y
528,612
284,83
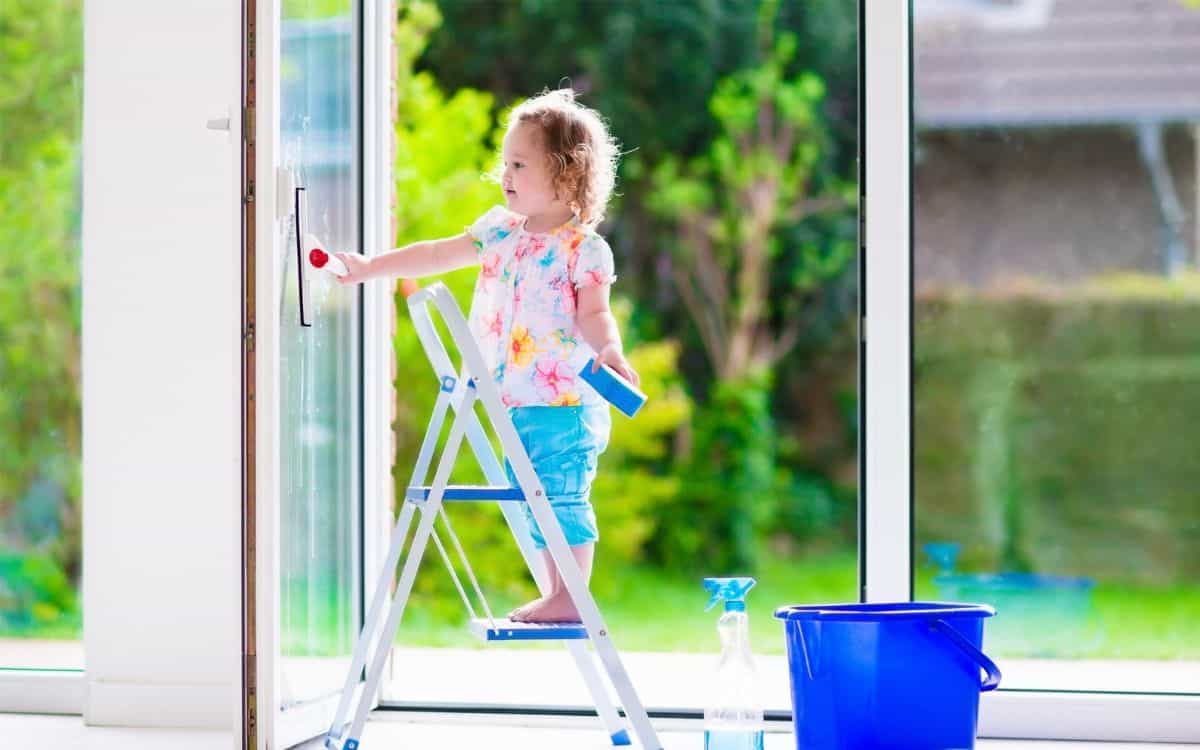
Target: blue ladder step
x,y
507,630
466,493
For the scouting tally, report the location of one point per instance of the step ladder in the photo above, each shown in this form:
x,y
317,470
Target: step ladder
x,y
459,391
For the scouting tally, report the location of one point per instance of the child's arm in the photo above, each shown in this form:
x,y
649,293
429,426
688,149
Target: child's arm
x,y
426,258
599,329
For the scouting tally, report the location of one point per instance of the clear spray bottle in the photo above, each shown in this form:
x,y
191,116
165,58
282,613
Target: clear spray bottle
x,y
733,719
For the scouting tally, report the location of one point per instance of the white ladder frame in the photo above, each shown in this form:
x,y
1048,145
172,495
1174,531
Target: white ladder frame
x,y
459,392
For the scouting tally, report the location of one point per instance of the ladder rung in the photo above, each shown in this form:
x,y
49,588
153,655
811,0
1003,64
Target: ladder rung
x,y
464,493
507,630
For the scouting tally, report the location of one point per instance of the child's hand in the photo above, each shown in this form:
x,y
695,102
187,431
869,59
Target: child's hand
x,y
357,268
611,355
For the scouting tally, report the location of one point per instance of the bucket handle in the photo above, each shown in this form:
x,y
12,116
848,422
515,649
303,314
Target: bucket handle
x,y
992,681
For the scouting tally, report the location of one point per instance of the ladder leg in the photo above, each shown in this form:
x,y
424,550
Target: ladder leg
x,y
412,561
634,709
604,705
572,578
362,646
583,657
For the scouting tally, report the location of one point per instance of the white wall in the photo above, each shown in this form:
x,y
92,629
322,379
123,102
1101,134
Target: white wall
x,y
161,362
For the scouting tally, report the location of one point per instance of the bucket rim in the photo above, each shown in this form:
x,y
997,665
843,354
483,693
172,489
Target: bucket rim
x,y
883,611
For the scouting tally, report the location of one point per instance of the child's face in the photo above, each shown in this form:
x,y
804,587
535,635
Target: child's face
x,y
526,177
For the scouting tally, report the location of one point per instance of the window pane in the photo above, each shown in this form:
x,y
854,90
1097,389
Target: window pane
x,y
320,364
744,458
1055,346
40,456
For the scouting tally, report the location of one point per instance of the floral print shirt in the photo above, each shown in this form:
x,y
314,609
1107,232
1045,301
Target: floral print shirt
x,y
523,310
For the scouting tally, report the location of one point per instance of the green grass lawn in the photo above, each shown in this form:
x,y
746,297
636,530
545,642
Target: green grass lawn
x,y
648,610
651,611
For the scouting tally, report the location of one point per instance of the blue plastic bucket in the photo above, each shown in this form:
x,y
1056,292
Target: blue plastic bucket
x,y
902,676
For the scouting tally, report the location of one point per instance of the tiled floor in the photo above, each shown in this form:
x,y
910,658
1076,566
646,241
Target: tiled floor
x,y
69,733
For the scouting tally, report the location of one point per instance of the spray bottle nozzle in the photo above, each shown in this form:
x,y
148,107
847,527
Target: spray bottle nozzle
x,y
732,590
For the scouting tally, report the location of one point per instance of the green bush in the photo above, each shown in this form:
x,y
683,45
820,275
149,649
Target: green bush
x,y
719,517
1052,429
41,64
439,192
36,595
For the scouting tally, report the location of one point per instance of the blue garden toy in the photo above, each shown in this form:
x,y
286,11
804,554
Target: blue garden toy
x,y
615,389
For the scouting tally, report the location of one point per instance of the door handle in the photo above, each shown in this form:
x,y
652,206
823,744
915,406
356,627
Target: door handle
x,y
304,322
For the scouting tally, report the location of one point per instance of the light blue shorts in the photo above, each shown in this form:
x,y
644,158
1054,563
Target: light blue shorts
x,y
564,444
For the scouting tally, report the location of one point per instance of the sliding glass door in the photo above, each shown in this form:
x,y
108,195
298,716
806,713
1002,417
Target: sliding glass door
x,y
320,398
1055,255
323,460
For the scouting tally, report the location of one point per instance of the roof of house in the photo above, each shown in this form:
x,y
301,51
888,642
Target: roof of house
x,y
1006,63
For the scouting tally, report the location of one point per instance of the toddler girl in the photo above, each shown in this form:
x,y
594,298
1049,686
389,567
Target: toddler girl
x,y
540,309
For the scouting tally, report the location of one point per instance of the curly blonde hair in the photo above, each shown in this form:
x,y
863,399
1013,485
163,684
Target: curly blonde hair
x,y
583,155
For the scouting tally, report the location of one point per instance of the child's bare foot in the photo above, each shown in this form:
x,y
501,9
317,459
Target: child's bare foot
x,y
515,615
557,607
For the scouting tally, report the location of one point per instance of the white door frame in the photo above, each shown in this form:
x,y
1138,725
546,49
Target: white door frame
x,y
885,326
268,268
886,60
379,313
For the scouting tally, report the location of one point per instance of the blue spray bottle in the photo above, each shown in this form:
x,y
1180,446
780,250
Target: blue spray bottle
x,y
733,719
